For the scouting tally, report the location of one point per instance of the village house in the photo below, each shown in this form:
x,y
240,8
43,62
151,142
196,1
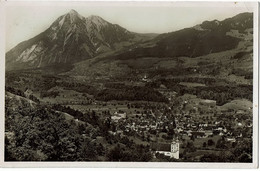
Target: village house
x,y
208,133
118,115
231,139
239,124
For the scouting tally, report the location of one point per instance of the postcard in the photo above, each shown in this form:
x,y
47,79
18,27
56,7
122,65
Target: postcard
x,y
129,84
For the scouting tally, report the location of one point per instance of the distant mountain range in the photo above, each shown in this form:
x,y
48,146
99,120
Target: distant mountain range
x,y
208,37
73,38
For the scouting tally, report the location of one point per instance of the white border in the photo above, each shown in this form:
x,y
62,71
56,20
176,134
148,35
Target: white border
x,y
2,81
130,164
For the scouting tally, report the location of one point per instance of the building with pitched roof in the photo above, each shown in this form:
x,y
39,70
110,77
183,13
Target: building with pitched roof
x,y
168,149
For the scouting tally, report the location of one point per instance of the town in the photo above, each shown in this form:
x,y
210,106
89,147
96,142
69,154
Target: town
x,y
194,120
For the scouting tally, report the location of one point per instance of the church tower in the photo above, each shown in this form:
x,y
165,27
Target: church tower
x,y
175,148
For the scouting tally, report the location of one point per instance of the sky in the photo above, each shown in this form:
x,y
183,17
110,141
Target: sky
x,y
28,19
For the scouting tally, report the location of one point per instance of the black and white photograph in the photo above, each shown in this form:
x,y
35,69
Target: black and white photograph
x,y
117,82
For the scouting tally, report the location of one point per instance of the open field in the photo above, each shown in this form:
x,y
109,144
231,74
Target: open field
x,y
243,104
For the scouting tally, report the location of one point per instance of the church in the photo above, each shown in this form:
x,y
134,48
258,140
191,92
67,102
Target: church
x,y
168,149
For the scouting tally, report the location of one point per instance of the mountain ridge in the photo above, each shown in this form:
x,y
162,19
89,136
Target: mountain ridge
x,y
196,41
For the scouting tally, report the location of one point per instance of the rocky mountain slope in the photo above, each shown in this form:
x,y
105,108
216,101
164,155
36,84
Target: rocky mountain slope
x,y
71,38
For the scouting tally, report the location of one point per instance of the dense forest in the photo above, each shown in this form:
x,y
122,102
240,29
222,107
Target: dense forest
x,y
45,134
222,93
131,93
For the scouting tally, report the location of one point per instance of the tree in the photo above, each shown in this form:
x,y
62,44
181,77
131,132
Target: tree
x,y
245,158
190,147
204,144
88,151
211,142
209,158
115,154
221,144
192,138
81,129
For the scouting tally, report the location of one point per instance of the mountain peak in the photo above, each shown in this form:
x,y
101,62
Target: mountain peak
x,y
92,17
72,11
97,20
74,16
70,38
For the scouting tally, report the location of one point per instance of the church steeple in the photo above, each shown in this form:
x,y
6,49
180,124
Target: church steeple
x,y
175,148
